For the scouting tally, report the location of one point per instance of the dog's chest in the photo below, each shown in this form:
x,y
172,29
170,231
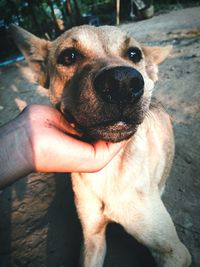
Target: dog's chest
x,y
118,188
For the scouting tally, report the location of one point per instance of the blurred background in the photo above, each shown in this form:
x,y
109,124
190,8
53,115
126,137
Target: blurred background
x,y
49,18
39,226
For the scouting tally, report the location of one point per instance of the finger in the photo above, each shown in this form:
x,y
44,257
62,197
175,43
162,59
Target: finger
x,y
56,151
106,151
62,153
99,154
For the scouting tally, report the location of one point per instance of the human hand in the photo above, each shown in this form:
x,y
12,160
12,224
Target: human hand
x,y
37,140
53,150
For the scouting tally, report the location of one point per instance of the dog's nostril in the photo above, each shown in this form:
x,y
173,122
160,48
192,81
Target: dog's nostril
x,y
119,85
137,87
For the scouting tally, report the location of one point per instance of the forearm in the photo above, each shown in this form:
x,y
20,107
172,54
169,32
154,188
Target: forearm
x,y
15,152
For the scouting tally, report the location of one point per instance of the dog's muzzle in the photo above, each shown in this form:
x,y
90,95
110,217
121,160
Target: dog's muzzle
x,y
119,85
113,107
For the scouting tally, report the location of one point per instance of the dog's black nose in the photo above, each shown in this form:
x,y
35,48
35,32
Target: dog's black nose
x,y
119,85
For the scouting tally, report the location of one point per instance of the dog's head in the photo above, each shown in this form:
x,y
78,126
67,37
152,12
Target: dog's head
x,y
100,78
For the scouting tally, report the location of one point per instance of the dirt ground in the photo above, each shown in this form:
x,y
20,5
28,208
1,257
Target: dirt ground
x,y
38,221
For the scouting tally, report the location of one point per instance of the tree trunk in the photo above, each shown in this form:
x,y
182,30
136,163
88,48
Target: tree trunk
x,y
117,11
34,17
69,12
78,13
68,8
57,30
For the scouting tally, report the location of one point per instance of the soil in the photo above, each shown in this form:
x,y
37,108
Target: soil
x,y
38,221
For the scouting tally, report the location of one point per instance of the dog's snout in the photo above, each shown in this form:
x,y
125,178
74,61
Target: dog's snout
x,y
119,85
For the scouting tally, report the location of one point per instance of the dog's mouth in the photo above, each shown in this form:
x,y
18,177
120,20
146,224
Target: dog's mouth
x,y
107,130
112,132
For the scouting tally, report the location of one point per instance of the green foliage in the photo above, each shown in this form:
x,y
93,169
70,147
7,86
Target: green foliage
x,y
37,15
44,17
88,6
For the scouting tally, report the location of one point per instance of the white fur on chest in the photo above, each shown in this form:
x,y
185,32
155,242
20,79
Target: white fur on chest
x,y
127,180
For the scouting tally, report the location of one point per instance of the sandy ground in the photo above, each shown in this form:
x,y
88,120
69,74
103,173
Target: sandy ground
x,y
38,221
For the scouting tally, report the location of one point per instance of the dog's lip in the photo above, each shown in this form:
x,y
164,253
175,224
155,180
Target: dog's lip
x,y
112,125
108,125
69,117
115,132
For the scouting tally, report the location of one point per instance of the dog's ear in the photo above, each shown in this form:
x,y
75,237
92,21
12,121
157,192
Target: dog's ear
x,y
155,55
35,50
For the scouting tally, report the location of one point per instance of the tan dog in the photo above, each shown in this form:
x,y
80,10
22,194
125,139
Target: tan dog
x,y
102,81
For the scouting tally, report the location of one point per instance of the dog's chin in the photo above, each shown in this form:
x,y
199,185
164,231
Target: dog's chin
x,y
115,132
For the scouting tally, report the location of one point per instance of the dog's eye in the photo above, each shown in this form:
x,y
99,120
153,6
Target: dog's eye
x,y
134,54
68,57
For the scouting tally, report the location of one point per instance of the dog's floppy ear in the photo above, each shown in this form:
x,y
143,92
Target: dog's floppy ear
x,y
35,50
155,55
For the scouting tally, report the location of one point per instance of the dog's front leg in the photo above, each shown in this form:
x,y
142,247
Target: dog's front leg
x,y
91,214
94,246
151,225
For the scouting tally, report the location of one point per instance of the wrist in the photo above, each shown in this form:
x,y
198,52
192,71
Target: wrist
x,y
16,151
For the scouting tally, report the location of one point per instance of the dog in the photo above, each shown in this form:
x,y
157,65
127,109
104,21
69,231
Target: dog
x,y
102,80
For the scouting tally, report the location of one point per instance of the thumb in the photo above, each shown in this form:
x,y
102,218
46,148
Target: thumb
x,y
103,152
